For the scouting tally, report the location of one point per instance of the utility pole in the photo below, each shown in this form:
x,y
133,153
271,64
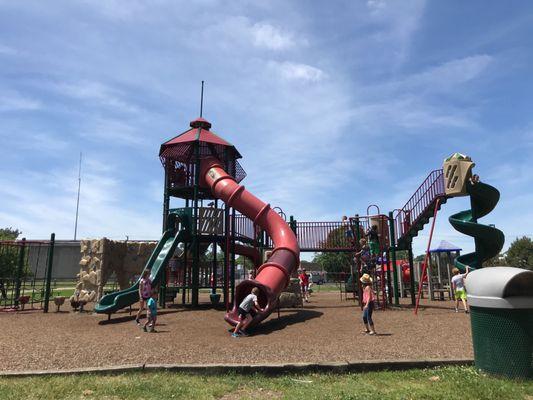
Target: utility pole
x,y
78,200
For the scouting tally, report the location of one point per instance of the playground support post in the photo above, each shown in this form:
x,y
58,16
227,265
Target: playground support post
x,y
195,242
49,265
426,258
358,262
214,265
20,266
166,202
412,274
226,256
232,263
393,257
389,285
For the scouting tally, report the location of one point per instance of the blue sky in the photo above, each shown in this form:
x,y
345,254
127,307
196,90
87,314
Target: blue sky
x,y
334,105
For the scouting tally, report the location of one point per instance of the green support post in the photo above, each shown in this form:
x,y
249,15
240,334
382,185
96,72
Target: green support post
x,y
214,264
20,267
225,274
392,234
166,201
184,276
412,274
163,291
232,263
195,242
49,271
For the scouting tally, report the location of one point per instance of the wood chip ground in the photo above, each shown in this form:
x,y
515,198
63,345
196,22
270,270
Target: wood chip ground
x,y
325,330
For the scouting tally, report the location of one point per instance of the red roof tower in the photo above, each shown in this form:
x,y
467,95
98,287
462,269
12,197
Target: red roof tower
x,y
181,157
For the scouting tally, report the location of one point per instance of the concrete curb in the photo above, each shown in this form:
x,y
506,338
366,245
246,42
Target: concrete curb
x,y
267,369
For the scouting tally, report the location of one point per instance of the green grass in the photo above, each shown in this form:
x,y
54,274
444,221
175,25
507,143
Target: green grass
x,y
443,383
326,287
62,292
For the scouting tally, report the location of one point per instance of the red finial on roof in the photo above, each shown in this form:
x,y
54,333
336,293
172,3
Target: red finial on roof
x,y
200,123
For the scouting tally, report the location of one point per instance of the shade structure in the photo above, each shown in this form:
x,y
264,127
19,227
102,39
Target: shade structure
x,y
445,246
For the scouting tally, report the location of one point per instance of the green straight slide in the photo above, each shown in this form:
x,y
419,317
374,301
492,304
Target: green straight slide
x,y
158,261
488,240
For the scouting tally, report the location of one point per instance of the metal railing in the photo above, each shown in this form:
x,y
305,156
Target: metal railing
x,y
424,197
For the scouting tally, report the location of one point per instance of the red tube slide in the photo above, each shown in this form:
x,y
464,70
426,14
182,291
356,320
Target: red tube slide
x,y
274,275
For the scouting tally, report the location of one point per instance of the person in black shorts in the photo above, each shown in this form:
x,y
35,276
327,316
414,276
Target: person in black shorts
x,y
248,305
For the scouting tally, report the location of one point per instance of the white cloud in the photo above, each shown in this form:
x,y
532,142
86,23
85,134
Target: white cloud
x,y
14,101
113,130
239,33
96,92
120,10
39,202
414,101
298,72
270,37
450,74
7,50
43,142
399,21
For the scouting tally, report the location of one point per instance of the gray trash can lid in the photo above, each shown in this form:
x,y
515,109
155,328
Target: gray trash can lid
x,y
500,287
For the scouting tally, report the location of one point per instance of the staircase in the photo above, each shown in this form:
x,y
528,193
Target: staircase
x,y
412,217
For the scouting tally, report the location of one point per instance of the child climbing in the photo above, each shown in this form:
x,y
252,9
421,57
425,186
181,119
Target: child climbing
x,y
348,229
151,313
458,286
373,240
304,284
368,304
145,290
363,255
245,308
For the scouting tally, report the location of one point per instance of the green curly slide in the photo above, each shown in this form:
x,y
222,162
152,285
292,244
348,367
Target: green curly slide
x,y
488,240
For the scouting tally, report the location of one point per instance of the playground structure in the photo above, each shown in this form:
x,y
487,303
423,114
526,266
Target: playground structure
x,y
102,258
221,219
439,270
26,274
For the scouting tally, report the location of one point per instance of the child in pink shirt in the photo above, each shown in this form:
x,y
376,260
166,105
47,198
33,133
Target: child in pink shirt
x,y
145,291
368,304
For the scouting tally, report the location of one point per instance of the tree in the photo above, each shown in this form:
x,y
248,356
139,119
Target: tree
x,y
498,260
334,262
8,254
9,233
520,253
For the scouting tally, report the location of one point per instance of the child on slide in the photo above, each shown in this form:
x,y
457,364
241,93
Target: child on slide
x,y
247,305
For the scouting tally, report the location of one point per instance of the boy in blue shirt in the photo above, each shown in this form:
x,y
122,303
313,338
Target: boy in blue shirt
x,y
151,312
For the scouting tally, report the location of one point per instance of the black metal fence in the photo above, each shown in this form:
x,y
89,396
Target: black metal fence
x,y
25,274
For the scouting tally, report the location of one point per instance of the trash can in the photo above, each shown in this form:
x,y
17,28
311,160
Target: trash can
x,y
501,304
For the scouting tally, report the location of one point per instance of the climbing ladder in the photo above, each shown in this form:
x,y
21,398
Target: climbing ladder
x,y
412,217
